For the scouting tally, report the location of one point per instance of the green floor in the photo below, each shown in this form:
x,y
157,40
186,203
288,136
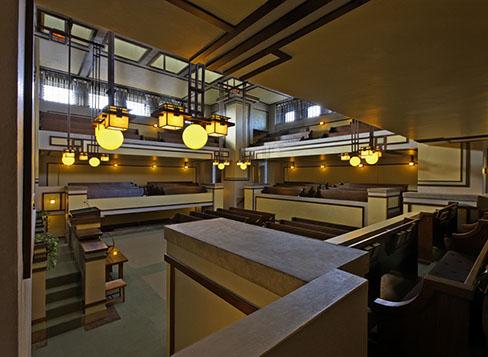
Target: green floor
x,y
141,329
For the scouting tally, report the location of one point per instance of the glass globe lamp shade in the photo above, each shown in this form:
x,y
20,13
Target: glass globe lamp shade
x,y
194,136
372,159
94,161
108,139
243,166
68,157
354,161
221,166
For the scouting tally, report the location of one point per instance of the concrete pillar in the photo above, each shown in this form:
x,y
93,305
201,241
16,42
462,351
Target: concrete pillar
x,y
15,298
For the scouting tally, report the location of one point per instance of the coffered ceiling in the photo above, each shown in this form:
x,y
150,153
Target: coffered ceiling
x,y
416,67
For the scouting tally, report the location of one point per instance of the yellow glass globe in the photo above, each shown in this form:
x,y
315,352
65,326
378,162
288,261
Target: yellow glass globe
x,y
67,159
372,159
107,138
243,167
195,136
94,161
221,166
354,161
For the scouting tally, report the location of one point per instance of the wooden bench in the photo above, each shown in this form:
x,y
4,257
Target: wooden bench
x,y
113,287
331,230
299,231
393,252
435,318
471,242
183,218
266,215
325,224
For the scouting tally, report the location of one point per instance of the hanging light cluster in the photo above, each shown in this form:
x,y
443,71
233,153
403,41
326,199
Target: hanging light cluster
x,y
370,154
199,128
195,135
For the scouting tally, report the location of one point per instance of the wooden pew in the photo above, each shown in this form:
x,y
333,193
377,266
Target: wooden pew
x,y
435,319
433,229
393,251
254,218
300,231
471,242
314,227
228,215
269,216
321,223
203,215
183,218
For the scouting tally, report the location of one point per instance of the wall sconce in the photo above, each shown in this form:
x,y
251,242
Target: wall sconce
x,y
292,164
116,165
484,171
186,165
412,161
322,166
53,201
361,165
154,166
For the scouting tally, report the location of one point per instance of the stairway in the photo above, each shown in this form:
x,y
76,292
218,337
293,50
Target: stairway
x,y
63,294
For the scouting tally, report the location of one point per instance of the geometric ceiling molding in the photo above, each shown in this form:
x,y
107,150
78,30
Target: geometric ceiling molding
x,y
280,56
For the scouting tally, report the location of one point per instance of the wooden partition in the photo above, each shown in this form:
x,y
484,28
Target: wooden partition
x,y
383,203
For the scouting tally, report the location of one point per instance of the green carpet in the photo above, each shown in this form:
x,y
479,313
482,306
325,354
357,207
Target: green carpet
x,y
141,329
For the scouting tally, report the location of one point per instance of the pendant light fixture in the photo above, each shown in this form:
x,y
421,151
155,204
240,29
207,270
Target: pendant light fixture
x,y
83,156
94,161
104,158
69,156
217,126
170,116
113,120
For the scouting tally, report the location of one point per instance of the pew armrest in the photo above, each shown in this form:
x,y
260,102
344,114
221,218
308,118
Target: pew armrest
x,y
383,307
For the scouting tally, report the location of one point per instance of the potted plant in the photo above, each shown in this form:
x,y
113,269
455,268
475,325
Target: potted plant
x,y
52,245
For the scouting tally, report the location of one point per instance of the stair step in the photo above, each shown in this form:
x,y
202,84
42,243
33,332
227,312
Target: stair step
x,y
63,307
63,292
64,323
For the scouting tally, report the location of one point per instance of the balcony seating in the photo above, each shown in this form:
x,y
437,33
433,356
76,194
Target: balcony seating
x,y
111,189
170,136
173,188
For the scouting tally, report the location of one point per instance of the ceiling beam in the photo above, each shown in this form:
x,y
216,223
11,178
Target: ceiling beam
x,y
202,14
203,54
290,18
282,57
340,11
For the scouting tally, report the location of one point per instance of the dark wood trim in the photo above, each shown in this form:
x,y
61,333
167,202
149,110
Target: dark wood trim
x,y
27,205
257,14
37,321
202,14
37,270
225,294
300,33
171,308
282,57
86,306
269,31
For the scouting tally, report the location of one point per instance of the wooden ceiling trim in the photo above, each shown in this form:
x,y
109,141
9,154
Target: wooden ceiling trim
x,y
282,57
260,12
269,31
202,14
340,11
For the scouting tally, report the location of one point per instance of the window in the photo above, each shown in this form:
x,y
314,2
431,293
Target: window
x,y
137,108
290,116
56,94
97,101
128,50
313,111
